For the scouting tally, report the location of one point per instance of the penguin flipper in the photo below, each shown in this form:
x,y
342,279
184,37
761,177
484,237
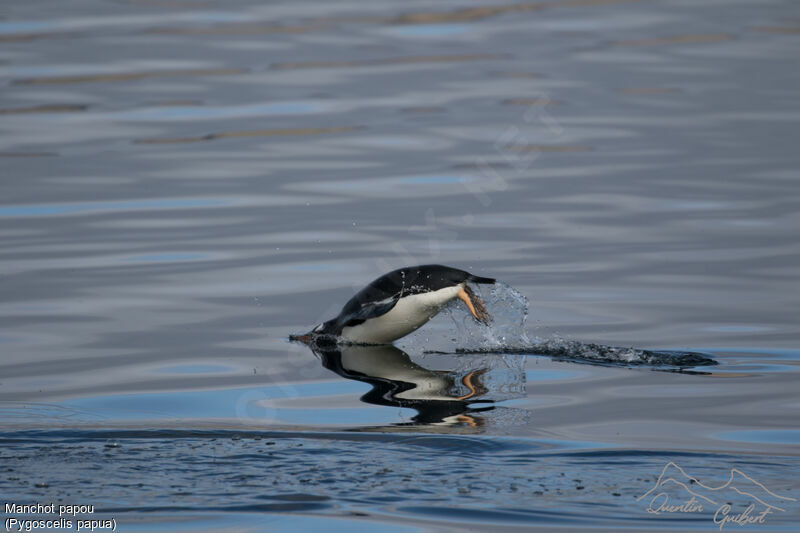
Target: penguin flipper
x,y
370,310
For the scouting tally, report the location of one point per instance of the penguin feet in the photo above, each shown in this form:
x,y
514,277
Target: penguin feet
x,y
475,305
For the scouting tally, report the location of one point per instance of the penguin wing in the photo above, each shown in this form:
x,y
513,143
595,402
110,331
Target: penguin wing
x,y
369,310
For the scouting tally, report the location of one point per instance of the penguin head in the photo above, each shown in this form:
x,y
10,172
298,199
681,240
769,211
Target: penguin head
x,y
319,333
326,328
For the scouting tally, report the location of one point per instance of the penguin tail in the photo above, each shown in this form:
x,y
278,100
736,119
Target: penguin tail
x,y
478,279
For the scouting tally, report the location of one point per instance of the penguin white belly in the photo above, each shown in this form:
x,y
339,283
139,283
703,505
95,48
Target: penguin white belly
x,y
408,314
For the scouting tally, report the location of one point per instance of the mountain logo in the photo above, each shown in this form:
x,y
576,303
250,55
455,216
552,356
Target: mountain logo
x,y
675,485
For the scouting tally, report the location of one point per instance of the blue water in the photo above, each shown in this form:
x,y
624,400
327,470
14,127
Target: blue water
x,y
184,187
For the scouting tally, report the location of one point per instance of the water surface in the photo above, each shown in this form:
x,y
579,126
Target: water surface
x,y
186,184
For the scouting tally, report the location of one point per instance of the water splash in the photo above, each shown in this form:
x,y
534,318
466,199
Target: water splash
x,y
580,352
454,328
509,310
507,334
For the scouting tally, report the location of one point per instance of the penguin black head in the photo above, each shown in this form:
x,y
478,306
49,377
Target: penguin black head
x,y
327,330
330,327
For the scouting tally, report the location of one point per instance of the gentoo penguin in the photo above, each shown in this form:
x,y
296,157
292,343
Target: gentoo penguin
x,y
399,302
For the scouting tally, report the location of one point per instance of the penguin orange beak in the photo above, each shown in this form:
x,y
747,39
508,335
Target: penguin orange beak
x,y
474,304
305,338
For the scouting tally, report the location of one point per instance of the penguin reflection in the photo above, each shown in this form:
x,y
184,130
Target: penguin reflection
x,y
439,397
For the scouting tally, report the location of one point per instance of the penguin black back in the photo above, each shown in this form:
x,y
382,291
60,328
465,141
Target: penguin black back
x,y
410,280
